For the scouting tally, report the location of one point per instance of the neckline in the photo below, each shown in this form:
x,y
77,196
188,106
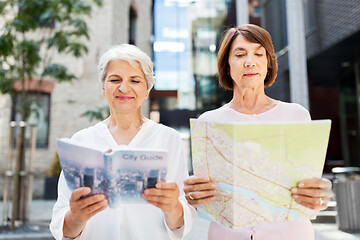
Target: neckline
x,y
146,125
255,114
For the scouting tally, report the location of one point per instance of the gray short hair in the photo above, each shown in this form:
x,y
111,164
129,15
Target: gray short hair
x,y
133,55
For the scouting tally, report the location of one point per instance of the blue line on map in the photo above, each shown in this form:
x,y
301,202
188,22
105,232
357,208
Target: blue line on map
x,y
255,197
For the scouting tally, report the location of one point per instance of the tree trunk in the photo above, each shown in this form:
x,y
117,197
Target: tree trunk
x,y
19,170
18,187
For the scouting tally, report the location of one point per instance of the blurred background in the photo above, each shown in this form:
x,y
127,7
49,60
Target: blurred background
x,y
317,43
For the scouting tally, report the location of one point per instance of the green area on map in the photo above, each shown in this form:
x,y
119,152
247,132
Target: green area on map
x,y
255,166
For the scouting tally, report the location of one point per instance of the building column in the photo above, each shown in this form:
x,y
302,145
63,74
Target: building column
x,y
242,12
299,91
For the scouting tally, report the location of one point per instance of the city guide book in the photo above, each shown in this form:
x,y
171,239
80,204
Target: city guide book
x,y
255,166
121,174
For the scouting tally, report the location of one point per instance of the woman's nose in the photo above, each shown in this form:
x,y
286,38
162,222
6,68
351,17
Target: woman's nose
x,y
249,62
124,87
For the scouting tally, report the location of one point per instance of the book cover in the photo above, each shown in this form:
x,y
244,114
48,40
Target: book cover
x,y
121,174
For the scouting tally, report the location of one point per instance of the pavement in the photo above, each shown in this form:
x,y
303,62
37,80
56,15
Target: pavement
x,y
40,216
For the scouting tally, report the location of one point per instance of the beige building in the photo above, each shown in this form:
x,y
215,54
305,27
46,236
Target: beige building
x,y
115,22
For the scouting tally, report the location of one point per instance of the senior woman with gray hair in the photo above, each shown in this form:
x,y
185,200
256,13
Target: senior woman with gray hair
x,y
126,74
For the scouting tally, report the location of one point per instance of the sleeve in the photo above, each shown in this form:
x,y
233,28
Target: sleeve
x,y
301,114
177,172
306,116
60,209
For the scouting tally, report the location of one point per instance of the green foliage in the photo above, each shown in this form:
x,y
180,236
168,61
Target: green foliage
x,y
55,168
6,44
28,52
34,31
2,7
52,26
99,113
6,83
58,72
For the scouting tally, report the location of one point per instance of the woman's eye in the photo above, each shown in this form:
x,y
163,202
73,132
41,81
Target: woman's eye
x,y
114,80
259,54
135,81
239,55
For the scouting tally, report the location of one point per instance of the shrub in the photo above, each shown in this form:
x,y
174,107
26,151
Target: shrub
x,y
55,168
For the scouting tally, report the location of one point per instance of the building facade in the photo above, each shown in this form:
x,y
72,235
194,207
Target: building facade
x,y
332,36
197,28
328,82
116,22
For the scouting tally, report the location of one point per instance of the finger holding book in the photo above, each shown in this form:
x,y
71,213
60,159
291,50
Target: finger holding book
x,y
84,208
81,210
165,196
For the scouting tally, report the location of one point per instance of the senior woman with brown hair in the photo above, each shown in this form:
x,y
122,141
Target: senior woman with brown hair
x,y
247,65
126,74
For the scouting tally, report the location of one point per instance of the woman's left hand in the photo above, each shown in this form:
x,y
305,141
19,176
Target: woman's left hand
x,y
313,193
165,196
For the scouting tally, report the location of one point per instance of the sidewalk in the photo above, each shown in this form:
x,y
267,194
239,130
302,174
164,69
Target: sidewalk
x,y
41,214
38,227
323,231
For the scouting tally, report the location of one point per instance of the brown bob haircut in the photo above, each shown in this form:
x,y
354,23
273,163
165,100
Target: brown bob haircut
x,y
254,34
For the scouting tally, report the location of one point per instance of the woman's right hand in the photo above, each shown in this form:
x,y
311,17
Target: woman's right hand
x,y
199,190
81,210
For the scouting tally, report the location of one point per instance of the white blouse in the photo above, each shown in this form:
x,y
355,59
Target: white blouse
x,y
130,221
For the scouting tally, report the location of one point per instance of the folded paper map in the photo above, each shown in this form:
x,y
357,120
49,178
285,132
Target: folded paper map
x,y
255,166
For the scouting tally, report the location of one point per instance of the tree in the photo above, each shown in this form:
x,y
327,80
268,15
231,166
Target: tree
x,y
33,32
99,113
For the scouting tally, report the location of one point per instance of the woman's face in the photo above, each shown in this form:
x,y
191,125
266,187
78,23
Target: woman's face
x,y
125,86
248,63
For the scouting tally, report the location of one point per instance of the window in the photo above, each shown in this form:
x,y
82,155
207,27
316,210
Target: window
x,y
275,22
38,105
171,45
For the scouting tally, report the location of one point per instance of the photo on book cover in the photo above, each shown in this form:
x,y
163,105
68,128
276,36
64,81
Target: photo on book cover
x,y
122,174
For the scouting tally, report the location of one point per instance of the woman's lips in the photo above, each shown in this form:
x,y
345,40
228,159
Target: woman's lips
x,y
250,74
124,98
